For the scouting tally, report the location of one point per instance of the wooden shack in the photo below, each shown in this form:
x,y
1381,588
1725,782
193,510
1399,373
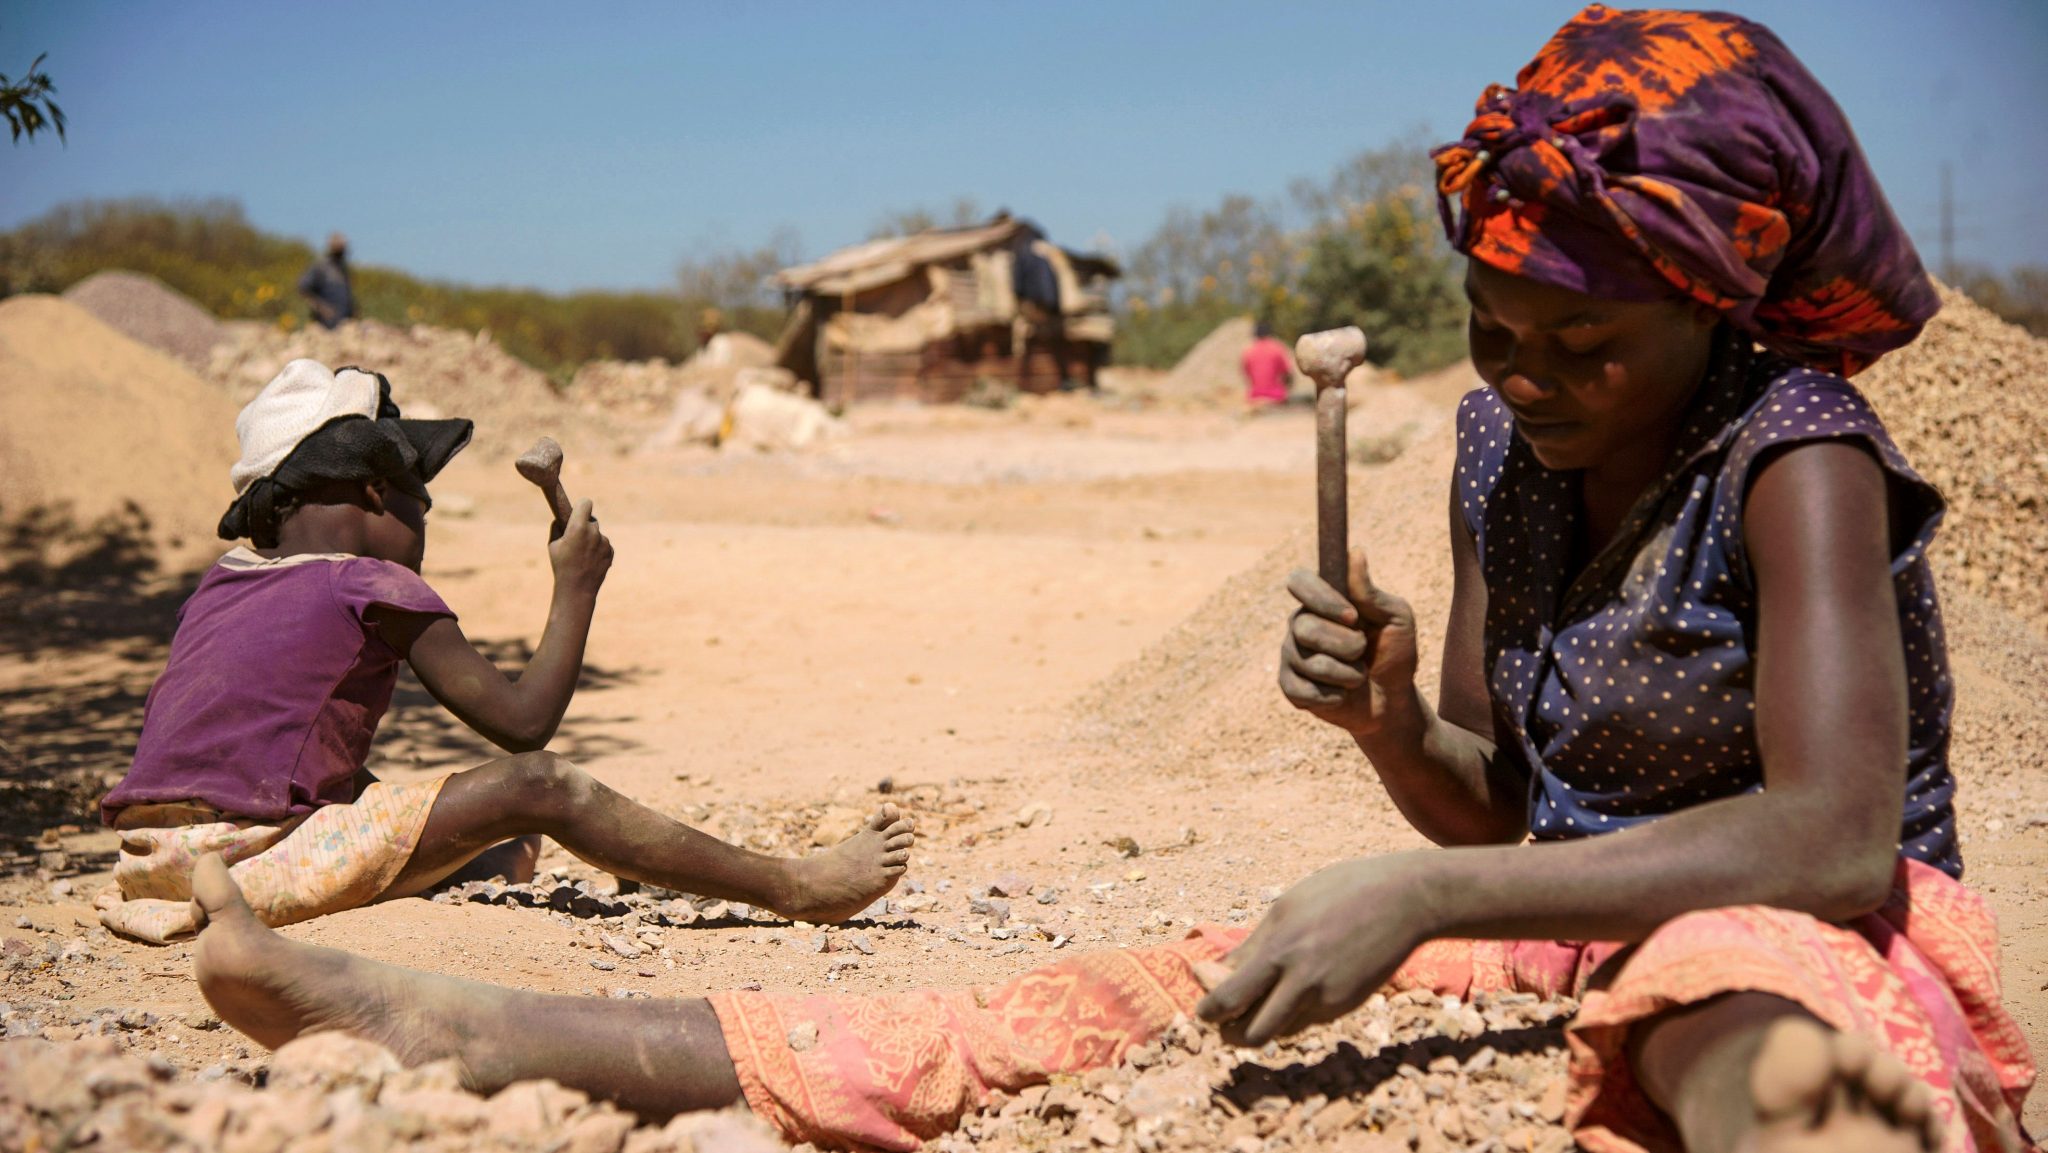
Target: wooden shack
x,y
937,316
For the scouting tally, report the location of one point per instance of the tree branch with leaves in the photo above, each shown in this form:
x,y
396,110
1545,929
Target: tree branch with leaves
x,y
27,105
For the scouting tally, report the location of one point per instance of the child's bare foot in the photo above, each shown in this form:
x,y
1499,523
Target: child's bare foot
x,y
274,988
841,881
1819,1090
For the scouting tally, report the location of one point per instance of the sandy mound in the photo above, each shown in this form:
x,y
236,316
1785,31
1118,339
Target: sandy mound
x,y
108,447
433,372
1968,402
1209,372
1203,698
150,311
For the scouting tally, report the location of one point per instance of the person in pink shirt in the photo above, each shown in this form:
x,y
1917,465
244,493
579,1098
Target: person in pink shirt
x,y
1267,369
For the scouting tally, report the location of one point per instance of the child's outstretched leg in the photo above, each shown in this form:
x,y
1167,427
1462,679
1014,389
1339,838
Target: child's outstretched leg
x,y
1753,1073
653,1057
543,793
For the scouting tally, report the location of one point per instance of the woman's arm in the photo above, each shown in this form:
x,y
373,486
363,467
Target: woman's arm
x,y
1821,838
518,714
1831,725
1438,765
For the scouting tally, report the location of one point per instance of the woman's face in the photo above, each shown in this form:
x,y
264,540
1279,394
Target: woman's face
x,y
1590,382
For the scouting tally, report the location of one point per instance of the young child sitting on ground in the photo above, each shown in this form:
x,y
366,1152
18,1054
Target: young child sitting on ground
x,y
254,739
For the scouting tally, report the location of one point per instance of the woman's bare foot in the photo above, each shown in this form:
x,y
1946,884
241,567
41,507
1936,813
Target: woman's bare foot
x,y
839,882
655,1058
1814,1089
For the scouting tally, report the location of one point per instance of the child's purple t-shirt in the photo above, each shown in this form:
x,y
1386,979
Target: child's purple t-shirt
x,y
274,688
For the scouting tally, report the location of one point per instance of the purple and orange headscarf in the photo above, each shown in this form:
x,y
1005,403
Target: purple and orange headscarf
x,y
1643,154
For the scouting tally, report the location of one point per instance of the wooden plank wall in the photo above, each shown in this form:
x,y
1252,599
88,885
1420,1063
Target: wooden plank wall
x,y
946,370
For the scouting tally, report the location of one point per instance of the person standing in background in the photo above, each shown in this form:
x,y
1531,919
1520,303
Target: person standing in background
x,y
326,286
1267,369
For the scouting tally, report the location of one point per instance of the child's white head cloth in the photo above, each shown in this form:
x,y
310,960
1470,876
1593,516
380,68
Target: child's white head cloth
x,y
297,403
310,426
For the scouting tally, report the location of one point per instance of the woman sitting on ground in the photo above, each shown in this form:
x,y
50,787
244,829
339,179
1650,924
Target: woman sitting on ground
x,y
1694,653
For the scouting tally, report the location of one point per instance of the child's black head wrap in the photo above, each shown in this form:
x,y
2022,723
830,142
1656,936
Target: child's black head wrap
x,y
358,445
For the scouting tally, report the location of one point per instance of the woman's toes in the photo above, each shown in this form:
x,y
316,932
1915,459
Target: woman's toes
x,y
1885,1083
1915,1106
902,841
883,817
1793,1070
896,857
1853,1055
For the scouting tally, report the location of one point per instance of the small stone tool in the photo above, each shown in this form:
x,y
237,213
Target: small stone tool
x,y
542,464
1328,357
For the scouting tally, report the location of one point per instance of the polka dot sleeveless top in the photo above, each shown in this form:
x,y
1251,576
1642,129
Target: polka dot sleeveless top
x,y
1627,691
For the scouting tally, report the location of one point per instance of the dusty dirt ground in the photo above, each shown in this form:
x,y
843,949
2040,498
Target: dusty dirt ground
x,y
980,608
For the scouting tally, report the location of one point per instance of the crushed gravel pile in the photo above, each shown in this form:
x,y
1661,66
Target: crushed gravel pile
x,y
433,372
646,390
323,1092
148,310
1968,402
1408,1071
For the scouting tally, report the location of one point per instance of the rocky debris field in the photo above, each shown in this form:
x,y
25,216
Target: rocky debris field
x,y
324,1092
434,372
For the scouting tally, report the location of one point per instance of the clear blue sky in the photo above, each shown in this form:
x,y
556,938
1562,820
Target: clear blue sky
x,y
591,146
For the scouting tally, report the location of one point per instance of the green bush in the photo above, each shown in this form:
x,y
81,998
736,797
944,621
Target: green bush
x,y
1386,269
1366,249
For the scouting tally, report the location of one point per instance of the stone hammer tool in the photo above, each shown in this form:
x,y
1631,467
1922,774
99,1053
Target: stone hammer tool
x,y
542,464
1328,357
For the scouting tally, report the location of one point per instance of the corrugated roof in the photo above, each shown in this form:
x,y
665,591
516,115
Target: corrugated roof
x,y
890,259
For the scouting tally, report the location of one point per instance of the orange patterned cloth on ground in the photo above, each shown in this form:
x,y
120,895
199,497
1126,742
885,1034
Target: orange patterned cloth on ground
x,y
336,857
1919,978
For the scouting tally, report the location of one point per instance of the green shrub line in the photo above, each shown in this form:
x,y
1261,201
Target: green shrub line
x,y
209,251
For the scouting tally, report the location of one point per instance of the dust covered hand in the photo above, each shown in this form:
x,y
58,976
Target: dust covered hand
x,y
581,555
1345,657
1325,946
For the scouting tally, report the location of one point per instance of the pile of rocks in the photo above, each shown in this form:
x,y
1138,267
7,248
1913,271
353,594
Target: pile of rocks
x,y
433,372
1407,1071
146,309
322,1092
645,390
1968,403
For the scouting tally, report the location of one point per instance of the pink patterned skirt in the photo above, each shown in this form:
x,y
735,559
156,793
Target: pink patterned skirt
x,y
1919,978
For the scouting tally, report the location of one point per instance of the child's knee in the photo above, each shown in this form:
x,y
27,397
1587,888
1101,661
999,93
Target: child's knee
x,y
545,783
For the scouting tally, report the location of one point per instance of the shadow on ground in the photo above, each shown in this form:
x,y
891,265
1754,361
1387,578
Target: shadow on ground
x,y
418,733
80,645
1347,1071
